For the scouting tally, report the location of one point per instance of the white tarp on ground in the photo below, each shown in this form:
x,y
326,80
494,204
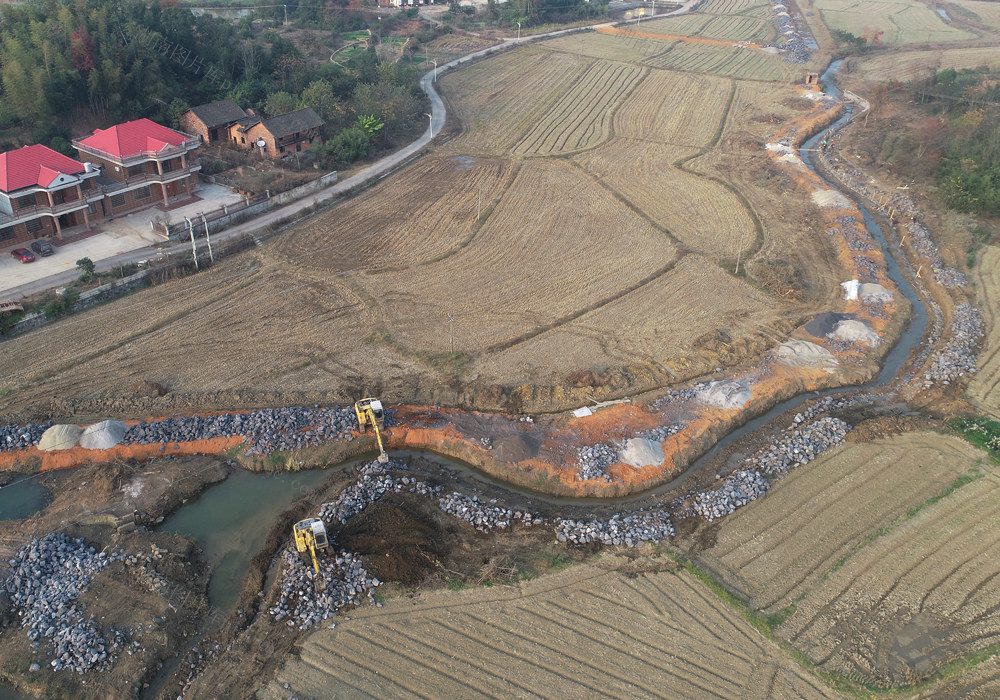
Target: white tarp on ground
x,y
802,353
855,332
103,435
725,394
60,437
875,292
640,452
851,288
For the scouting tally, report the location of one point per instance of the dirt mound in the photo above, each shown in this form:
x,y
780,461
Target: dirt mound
x,y
802,353
725,394
855,332
398,539
640,452
60,437
517,448
144,387
103,435
875,292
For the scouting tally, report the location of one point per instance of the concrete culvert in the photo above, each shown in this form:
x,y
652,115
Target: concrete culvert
x,y
103,435
60,437
640,452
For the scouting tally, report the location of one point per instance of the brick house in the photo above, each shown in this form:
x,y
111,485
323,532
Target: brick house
x,y
142,163
212,121
42,192
278,136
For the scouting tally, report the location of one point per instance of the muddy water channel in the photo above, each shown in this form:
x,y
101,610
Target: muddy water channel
x,y
23,499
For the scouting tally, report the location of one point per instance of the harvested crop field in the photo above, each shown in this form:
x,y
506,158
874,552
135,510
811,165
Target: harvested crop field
x,y
584,632
833,506
729,61
982,389
913,65
903,21
683,119
622,47
752,25
986,12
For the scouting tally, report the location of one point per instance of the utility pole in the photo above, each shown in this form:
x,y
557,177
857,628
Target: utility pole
x,y
211,257
194,247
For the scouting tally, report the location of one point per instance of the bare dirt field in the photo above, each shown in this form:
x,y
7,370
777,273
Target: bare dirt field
x,y
585,632
982,389
888,575
913,65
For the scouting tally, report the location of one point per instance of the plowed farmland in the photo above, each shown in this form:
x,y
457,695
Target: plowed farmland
x,y
889,573
983,390
914,65
672,108
582,633
730,61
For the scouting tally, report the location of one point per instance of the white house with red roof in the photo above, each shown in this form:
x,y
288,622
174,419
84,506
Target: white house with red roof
x,y
142,163
42,192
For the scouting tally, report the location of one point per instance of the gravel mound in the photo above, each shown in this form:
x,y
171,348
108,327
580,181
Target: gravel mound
x,y
103,435
823,324
830,199
740,488
484,517
60,437
802,353
640,452
47,577
852,331
347,583
594,460
727,393
628,530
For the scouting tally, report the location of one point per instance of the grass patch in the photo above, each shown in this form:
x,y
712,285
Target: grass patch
x,y
980,431
456,584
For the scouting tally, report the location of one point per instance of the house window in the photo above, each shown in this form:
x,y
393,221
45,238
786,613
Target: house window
x,y
33,226
243,139
282,149
136,170
28,201
168,165
87,184
143,193
92,208
6,233
118,200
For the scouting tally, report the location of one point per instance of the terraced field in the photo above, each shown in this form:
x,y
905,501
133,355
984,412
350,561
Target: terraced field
x,y
903,21
582,633
729,61
627,47
982,389
911,65
987,12
673,108
735,7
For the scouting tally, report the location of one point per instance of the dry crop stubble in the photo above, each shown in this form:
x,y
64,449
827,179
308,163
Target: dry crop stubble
x,y
678,109
658,323
625,47
736,7
497,101
579,633
983,386
914,65
832,506
913,599
987,12
543,254
902,21
729,61
417,215
581,118
702,214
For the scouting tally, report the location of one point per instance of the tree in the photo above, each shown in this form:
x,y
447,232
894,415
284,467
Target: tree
x,y
319,95
280,103
86,267
175,110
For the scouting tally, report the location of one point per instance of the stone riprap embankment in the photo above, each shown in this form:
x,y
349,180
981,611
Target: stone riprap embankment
x,y
263,431
345,582
742,487
629,530
21,437
799,446
794,48
958,357
828,404
47,577
485,517
365,491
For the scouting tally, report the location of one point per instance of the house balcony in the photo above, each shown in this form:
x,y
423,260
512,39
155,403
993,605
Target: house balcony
x,y
109,186
190,143
28,213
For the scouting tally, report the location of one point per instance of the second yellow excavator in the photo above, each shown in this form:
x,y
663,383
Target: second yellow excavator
x,y
310,536
370,412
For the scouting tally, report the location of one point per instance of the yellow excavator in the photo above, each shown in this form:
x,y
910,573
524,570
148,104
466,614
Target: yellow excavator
x,y
370,412
310,536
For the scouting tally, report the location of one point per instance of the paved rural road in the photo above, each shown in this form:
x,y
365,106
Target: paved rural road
x,y
337,189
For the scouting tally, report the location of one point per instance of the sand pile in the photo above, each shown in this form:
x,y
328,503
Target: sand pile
x,y
103,435
855,332
875,292
640,452
60,437
801,353
830,199
725,394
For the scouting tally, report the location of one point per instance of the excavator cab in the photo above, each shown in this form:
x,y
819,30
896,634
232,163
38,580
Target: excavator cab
x,y
370,413
310,539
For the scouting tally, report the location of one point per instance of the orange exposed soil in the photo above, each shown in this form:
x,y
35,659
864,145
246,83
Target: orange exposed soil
x,y
78,456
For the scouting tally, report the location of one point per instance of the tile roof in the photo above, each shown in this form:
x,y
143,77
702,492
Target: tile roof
x,y
39,165
293,122
219,113
132,138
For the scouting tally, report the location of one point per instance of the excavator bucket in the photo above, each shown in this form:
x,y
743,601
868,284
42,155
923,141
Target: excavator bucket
x,y
383,458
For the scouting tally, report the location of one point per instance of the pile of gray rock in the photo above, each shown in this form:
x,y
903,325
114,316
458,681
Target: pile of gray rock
x,y
264,431
346,582
47,577
742,487
828,404
674,396
485,517
920,239
868,269
794,46
661,433
799,446
958,357
21,437
629,530
593,461
374,467
365,491
855,233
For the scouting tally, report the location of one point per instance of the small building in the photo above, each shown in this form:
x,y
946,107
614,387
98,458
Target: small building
x,y
212,121
812,78
42,192
142,164
278,136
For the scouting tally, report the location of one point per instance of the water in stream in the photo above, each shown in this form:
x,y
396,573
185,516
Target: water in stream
x,y
22,499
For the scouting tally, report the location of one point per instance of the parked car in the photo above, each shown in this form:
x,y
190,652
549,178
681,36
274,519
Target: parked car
x,y
23,254
42,247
